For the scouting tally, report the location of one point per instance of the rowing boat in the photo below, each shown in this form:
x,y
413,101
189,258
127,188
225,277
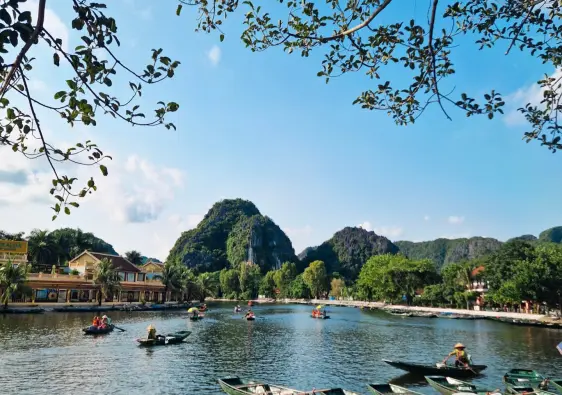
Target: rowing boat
x,y
171,338
525,378
237,386
93,330
450,386
387,389
320,316
437,369
557,383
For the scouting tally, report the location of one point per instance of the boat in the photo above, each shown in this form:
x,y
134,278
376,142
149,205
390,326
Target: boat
x,y
317,312
250,317
93,330
386,389
171,338
196,317
437,369
525,378
237,386
194,314
450,386
237,310
557,384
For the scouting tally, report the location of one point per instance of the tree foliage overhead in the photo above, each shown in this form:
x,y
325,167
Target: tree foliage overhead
x,y
348,250
445,251
224,237
362,36
92,68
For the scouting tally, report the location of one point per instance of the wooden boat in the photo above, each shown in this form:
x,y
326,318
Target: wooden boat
x,y
525,378
320,316
250,317
450,386
437,369
557,384
196,317
92,330
237,386
386,389
171,338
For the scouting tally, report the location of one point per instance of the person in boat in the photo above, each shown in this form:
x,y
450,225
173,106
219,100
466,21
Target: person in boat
x,y
151,332
249,313
96,322
105,319
461,356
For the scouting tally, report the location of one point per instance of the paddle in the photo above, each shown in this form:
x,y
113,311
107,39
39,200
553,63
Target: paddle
x,y
121,329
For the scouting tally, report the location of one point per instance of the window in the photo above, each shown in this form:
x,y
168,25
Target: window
x,y
122,276
131,277
140,277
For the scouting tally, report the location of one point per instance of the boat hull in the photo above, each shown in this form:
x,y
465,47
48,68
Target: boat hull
x,y
319,317
92,331
172,338
450,386
429,370
386,389
557,384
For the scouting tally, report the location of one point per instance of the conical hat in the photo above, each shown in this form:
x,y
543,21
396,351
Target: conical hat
x,y
150,327
459,345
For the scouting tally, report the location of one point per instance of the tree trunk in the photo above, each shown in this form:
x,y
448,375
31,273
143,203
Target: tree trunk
x,y
165,294
99,297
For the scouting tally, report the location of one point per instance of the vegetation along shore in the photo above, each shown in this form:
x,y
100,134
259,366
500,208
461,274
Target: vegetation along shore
x,y
236,253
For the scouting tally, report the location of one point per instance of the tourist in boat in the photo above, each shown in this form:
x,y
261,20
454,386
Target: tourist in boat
x,y
461,357
249,313
96,322
151,332
106,320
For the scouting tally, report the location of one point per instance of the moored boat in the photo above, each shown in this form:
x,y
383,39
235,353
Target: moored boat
x,y
450,386
557,384
96,330
437,369
525,378
237,386
171,338
386,389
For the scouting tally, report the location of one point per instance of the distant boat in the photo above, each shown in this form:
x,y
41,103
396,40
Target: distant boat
x,y
437,369
237,386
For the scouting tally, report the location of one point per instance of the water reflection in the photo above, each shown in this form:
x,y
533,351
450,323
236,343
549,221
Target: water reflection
x,y
48,353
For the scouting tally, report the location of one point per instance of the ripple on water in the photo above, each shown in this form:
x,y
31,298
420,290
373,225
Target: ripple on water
x,y
48,353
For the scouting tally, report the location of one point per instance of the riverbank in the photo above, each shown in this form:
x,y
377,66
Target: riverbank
x,y
521,319
26,308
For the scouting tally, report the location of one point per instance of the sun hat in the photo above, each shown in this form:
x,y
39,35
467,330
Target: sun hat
x,y
459,345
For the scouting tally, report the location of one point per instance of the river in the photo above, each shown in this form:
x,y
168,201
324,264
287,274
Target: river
x,y
48,354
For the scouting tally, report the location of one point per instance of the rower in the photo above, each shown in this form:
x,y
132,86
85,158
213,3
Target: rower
x,y
461,357
151,332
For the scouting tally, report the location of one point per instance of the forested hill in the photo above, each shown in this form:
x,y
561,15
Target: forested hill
x,y
348,250
232,232
445,251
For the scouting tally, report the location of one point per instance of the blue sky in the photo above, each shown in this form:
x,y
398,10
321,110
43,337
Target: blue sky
x,y
265,128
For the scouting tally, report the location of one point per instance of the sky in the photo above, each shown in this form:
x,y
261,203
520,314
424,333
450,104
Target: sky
x,y
264,127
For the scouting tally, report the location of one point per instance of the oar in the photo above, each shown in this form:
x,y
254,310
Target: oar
x,y
121,329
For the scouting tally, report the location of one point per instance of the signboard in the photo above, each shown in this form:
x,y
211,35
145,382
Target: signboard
x,y
13,247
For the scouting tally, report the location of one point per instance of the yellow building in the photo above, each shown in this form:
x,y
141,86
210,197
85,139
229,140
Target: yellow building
x,y
153,269
80,287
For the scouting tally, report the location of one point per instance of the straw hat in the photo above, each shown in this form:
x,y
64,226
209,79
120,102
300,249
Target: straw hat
x,y
104,316
150,327
459,345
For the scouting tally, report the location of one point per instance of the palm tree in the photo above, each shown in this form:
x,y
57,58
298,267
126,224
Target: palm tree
x,y
12,279
188,282
134,257
41,247
171,278
107,278
206,286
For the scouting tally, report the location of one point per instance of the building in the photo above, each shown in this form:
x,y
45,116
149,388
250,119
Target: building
x,y
153,269
79,286
14,251
478,283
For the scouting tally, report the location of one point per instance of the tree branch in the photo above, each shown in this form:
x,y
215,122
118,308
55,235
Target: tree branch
x,y
32,38
432,54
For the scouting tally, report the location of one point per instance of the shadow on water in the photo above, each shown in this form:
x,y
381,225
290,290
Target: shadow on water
x,y
49,354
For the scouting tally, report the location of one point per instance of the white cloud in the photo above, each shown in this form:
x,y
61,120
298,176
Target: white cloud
x,y
455,219
366,225
185,223
391,232
53,24
533,94
137,191
388,231
426,218
214,55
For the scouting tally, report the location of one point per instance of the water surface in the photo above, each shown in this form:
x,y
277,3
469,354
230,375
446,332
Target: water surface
x,y
48,354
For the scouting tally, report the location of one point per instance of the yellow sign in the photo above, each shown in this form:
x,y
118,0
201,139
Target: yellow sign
x,y
13,247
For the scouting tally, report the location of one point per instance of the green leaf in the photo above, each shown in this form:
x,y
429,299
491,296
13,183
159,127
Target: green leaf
x,y
221,37
103,170
178,10
67,211
56,60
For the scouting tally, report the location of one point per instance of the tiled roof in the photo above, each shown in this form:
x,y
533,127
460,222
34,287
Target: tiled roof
x,y
154,263
119,263
477,271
